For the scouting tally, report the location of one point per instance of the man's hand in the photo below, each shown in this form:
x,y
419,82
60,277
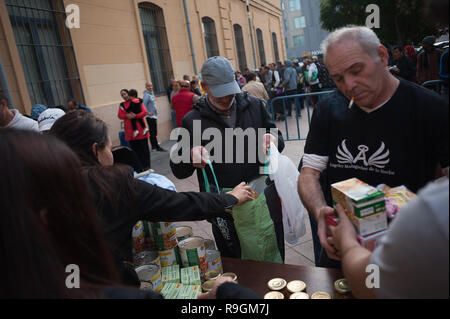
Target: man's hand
x,y
344,235
131,116
267,139
212,293
151,113
243,193
322,232
199,157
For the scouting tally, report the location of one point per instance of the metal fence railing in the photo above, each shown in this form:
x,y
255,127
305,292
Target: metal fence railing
x,y
435,85
297,99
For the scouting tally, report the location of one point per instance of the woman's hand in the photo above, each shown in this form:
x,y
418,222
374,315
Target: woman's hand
x,y
243,193
131,116
212,293
344,234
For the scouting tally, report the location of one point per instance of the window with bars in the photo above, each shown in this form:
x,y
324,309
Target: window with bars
x,y
262,53
46,51
209,31
156,45
240,48
275,46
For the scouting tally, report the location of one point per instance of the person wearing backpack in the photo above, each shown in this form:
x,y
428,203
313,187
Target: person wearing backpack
x,y
313,80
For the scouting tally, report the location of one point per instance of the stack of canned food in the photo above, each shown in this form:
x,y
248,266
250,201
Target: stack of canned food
x,y
170,260
296,289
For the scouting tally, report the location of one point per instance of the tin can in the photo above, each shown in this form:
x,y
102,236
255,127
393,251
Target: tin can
x,y
210,244
184,232
193,253
342,289
150,273
146,285
164,235
147,257
208,285
274,295
295,286
138,236
232,275
212,275
169,257
299,295
320,295
277,284
149,243
214,260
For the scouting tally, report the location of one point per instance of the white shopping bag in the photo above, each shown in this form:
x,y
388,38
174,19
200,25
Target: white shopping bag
x,y
285,174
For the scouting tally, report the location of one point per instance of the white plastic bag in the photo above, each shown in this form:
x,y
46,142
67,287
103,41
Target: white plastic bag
x,y
285,174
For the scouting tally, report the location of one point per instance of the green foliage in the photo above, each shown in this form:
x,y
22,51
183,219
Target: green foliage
x,y
401,21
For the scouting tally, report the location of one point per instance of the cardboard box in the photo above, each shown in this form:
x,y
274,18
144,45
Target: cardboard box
x,y
372,241
358,198
371,224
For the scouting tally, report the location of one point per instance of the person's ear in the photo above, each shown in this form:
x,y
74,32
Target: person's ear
x,y
383,55
95,150
204,86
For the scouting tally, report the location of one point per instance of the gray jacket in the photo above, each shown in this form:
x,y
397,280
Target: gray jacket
x,y
150,104
290,77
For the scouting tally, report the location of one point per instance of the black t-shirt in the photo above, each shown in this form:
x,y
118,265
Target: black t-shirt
x,y
401,143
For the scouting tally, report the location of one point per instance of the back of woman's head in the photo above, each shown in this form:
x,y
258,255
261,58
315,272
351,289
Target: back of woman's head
x,y
80,130
47,220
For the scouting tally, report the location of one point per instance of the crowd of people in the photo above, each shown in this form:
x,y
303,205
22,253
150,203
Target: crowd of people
x,y
429,64
86,211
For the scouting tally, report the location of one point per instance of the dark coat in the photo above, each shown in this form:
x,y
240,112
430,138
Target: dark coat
x,y
250,113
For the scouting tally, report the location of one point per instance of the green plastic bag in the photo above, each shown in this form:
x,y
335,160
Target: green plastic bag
x,y
256,231
254,227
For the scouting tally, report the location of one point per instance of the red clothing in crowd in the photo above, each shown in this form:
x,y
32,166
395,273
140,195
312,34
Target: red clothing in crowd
x,y
128,127
182,104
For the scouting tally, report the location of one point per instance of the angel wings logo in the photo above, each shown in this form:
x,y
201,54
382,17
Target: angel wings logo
x,y
378,159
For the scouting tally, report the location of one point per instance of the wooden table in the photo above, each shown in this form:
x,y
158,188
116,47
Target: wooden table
x,y
256,275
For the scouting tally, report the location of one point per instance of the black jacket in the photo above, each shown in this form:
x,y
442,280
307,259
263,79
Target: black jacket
x,y
151,203
407,68
250,113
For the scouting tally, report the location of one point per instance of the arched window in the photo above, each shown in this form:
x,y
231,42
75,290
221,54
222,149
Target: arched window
x,y
262,54
275,47
240,48
156,45
46,51
209,31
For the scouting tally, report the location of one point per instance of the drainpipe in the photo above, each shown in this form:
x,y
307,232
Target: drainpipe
x,y
4,84
251,34
190,36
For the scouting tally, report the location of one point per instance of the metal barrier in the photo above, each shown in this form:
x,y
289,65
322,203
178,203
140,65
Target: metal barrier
x,y
294,97
435,84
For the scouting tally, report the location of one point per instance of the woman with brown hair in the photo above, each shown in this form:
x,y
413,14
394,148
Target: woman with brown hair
x,y
121,200
47,222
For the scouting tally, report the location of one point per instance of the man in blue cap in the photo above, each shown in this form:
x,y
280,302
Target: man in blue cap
x,y
225,106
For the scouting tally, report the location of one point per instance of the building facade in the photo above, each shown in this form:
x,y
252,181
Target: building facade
x,y
124,43
302,27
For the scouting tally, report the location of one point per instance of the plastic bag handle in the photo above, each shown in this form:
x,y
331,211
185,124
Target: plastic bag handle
x,y
205,178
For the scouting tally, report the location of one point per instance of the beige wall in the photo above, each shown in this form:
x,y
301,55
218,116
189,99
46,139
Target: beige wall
x,y
11,63
110,50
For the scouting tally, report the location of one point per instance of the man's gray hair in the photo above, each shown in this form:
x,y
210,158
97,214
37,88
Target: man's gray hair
x,y
364,36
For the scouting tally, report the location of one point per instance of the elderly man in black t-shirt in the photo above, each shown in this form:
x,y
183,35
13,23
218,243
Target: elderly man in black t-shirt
x,y
395,133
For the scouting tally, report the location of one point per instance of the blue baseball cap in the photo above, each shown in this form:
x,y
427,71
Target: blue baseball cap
x,y
218,73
